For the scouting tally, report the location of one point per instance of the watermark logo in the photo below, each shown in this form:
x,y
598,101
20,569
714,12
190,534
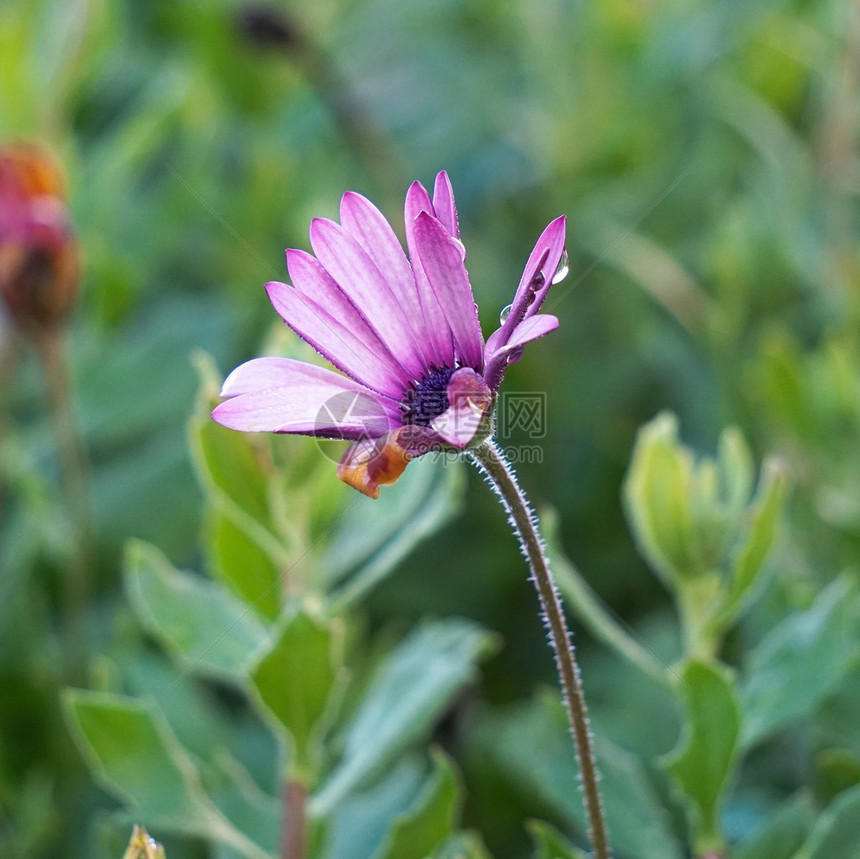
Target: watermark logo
x,y
359,417
521,413
350,416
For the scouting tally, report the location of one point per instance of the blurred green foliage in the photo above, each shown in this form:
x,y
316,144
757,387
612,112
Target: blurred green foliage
x,y
706,155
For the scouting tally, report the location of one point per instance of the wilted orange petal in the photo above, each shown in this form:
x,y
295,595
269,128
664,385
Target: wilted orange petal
x,y
371,463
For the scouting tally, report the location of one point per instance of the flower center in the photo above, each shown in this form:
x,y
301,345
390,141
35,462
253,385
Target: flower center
x,y
428,397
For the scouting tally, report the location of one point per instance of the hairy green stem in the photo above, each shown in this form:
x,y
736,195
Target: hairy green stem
x,y
490,460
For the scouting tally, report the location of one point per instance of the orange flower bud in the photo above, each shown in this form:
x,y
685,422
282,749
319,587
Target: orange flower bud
x,y
38,254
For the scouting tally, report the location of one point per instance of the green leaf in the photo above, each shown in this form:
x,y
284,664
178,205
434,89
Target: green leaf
x,y
233,463
359,825
837,831
463,845
761,534
135,757
239,476
197,619
417,831
239,562
532,742
549,843
409,693
782,833
374,536
235,755
703,762
296,680
695,525
837,770
800,662
657,493
256,814
204,724
736,471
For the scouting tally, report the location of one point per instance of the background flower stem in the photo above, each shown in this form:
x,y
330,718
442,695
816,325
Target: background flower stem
x,y
490,460
371,144
593,614
74,473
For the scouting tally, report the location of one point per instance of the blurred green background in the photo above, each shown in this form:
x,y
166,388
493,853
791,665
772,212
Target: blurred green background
x,y
706,156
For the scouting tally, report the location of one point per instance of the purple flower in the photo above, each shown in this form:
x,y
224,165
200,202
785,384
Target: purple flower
x,y
39,263
416,373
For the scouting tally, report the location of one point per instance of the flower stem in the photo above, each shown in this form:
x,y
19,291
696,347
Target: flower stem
x,y
51,347
295,797
490,460
372,145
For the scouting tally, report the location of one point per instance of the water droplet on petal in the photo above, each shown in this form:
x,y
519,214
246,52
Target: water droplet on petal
x,y
460,247
506,312
562,270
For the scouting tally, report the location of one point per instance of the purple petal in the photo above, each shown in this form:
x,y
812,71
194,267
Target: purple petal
x,y
444,206
357,275
440,257
440,341
368,226
335,341
314,282
551,241
528,330
535,282
469,399
284,395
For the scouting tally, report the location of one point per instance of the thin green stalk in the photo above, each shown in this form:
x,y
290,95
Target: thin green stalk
x,y
374,148
589,610
490,460
372,145
74,463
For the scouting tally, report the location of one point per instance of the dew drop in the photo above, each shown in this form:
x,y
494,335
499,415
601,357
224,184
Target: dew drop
x,y
562,270
506,312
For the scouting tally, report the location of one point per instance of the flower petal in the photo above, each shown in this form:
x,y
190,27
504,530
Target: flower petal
x,y
314,282
528,330
535,282
371,463
368,226
551,241
440,257
357,275
444,206
335,341
470,399
440,341
285,395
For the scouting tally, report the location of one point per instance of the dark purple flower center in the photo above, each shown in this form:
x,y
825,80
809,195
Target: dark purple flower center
x,y
428,397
